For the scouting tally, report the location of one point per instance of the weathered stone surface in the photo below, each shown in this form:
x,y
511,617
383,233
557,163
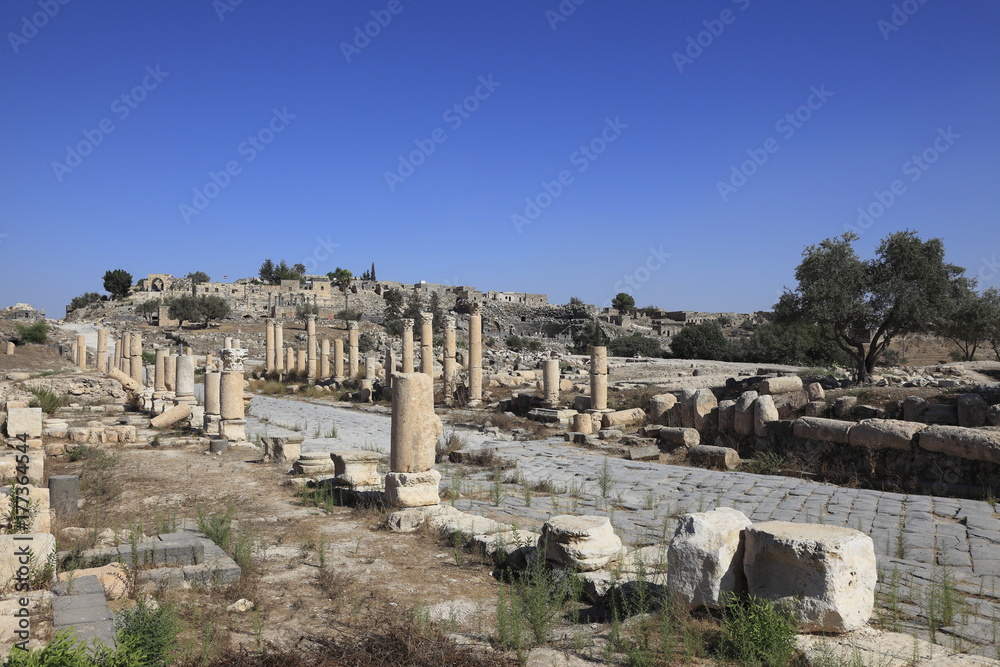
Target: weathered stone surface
x,y
828,430
356,468
815,391
914,408
582,423
24,420
632,417
703,404
789,404
679,437
31,550
885,434
644,453
507,548
780,385
416,489
585,543
710,456
659,406
113,578
843,406
764,413
685,408
972,410
814,409
743,417
727,413
415,427
825,575
975,444
171,416
705,558
993,415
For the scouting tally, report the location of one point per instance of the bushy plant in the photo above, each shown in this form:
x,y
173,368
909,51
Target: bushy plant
x,y
756,632
33,333
635,346
150,630
48,401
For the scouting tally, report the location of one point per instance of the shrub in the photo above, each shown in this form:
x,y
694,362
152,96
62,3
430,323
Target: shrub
x,y
66,651
149,630
351,314
46,400
756,632
702,341
84,300
635,346
33,333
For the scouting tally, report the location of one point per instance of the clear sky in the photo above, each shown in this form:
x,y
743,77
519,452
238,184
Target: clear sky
x,y
684,152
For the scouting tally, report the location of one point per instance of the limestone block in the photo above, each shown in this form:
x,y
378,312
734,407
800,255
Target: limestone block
x,y
286,449
171,416
24,420
705,558
659,406
233,430
582,424
631,417
885,434
843,406
412,489
709,456
113,578
780,385
828,430
584,543
508,548
972,410
39,510
764,413
314,464
415,427
974,444
815,391
825,575
743,417
679,437
686,407
356,468
727,413
789,404
703,403
23,555
814,409
993,415
914,408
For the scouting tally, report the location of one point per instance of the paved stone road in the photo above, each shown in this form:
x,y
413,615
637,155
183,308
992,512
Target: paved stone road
x,y
915,536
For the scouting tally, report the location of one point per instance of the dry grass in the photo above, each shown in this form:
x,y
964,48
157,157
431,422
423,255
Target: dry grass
x,y
506,422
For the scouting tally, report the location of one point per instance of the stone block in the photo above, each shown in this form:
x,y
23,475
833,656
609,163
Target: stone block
x,y
974,444
679,437
183,551
632,417
709,456
705,558
22,555
827,430
814,409
644,453
780,385
843,406
233,430
885,434
743,416
24,420
659,406
824,575
727,414
764,413
914,408
815,392
972,410
583,543
356,468
417,489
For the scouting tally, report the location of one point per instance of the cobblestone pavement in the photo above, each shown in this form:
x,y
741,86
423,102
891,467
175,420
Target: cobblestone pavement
x,y
934,554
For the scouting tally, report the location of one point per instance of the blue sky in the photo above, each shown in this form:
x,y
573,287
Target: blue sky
x,y
682,152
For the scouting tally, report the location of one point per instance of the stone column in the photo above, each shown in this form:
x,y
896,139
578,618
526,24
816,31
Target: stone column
x,y
233,425
10,347
290,360
185,380
352,349
170,373
279,347
213,406
227,342
302,363
159,372
81,351
338,359
64,496
135,358
390,365
121,353
236,344
407,345
413,481
427,344
102,351
475,356
598,378
312,359
550,382
269,365
368,383
324,359
188,351
449,360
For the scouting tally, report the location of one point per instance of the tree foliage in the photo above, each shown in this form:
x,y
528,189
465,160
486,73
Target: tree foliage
x,y
272,274
623,302
701,341
118,283
198,277
148,308
589,335
204,309
973,320
84,300
32,333
861,306
793,343
342,279
635,346
369,274
393,311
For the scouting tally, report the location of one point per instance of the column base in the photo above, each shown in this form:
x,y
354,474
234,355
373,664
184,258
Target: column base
x,y
412,489
233,430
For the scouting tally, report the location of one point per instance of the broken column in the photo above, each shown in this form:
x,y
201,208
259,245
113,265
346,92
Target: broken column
x,y
550,382
184,393
312,358
338,359
352,349
102,351
475,356
135,357
449,360
81,351
413,482
10,347
324,359
427,344
227,342
390,366
279,348
368,383
213,407
302,363
598,378
121,347
290,360
232,426
407,345
159,373
269,365
170,373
